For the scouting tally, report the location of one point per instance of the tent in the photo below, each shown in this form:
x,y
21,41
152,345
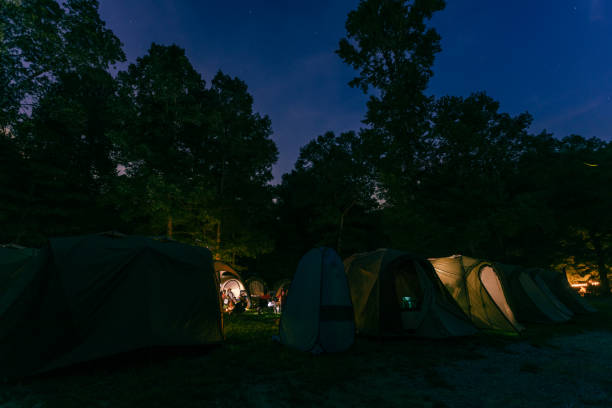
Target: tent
x,y
530,302
557,283
87,297
280,285
318,315
256,286
395,292
481,291
13,259
12,253
229,279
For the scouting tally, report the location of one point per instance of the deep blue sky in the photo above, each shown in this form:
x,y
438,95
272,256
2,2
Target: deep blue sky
x,y
552,58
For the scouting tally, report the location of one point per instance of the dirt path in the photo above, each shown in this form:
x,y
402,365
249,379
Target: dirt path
x,y
571,371
567,372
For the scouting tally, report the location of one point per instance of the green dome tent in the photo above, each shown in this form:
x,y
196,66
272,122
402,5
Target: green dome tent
x,y
394,292
557,283
13,259
480,290
88,297
256,286
14,254
318,315
530,302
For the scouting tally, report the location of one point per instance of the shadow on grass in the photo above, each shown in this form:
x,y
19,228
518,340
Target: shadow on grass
x,y
132,360
251,369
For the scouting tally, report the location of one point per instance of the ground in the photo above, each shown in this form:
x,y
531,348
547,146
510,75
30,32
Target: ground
x,y
565,365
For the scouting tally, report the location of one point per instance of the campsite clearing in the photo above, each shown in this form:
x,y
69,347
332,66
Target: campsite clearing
x,y
556,365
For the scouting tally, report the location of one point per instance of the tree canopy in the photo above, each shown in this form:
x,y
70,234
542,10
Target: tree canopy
x,y
156,149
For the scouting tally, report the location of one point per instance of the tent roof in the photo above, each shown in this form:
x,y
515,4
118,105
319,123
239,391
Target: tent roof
x,y
224,268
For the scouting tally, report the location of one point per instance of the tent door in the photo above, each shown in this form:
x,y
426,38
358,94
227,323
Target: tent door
x,y
232,285
493,286
412,295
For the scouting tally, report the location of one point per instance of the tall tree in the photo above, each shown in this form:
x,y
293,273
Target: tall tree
x,y
580,178
71,151
467,180
163,96
54,61
197,159
43,38
332,188
468,197
240,155
390,45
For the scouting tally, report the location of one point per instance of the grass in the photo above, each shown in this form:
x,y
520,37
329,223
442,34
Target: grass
x,y
251,369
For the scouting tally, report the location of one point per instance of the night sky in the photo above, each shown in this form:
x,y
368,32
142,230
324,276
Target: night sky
x,y
552,58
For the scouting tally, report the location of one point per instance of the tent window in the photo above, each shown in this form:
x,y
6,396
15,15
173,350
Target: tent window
x,y
408,303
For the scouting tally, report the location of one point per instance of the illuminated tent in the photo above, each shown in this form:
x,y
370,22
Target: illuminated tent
x,y
397,293
229,279
256,286
557,283
479,289
531,302
318,315
280,285
13,259
93,296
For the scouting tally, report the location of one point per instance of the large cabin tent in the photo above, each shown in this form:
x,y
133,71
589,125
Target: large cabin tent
x,y
557,283
13,259
318,315
397,293
94,296
11,254
530,302
480,290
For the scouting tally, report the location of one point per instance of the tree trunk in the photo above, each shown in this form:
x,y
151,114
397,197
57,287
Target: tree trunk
x,y
218,250
221,182
169,228
341,227
604,284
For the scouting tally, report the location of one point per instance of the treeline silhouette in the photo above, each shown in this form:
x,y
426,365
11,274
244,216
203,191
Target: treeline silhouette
x,y
156,150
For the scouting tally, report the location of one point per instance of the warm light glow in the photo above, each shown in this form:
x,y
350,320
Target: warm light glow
x,y
579,285
594,283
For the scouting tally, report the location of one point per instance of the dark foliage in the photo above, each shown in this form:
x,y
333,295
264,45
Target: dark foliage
x,y
155,150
